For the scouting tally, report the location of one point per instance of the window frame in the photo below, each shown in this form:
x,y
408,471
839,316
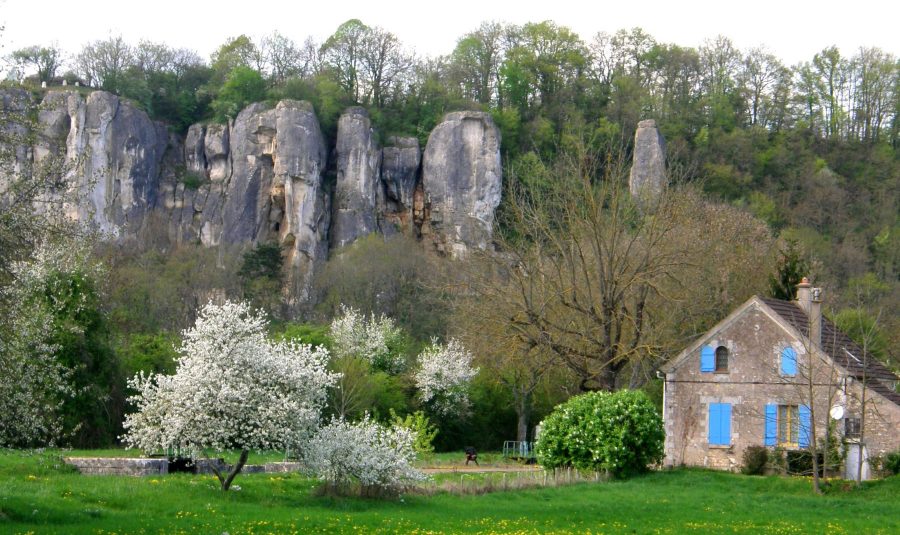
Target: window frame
x,y
727,357
852,427
787,425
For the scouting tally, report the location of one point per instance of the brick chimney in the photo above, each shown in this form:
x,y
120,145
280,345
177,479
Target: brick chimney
x,y
810,300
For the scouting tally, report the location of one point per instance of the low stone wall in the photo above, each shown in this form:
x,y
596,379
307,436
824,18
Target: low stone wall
x,y
119,466
125,466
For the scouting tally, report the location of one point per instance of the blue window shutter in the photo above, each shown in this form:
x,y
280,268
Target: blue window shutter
x,y
707,359
726,424
788,361
720,424
713,423
771,424
804,438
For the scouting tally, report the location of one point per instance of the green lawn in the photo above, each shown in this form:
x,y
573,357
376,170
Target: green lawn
x,y
38,496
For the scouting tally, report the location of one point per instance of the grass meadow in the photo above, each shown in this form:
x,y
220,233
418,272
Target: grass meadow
x,y
39,495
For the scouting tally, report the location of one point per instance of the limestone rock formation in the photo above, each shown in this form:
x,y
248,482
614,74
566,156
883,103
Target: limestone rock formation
x,y
648,170
461,179
274,190
299,194
261,178
358,177
400,160
115,151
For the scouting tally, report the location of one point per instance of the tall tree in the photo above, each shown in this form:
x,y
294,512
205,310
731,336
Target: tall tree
x,y
343,53
104,63
46,60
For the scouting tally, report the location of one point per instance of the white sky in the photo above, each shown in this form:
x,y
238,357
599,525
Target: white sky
x,y
793,29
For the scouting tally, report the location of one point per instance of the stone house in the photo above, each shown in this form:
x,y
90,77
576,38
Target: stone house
x,y
776,373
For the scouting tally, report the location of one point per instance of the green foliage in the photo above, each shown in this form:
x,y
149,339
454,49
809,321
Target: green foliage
x,y
891,463
792,267
619,432
148,353
150,291
755,460
81,335
863,328
425,431
387,276
243,86
304,333
263,261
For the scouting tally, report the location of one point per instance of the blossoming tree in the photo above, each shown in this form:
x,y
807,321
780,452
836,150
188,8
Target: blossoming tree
x,y
379,458
443,377
376,340
232,388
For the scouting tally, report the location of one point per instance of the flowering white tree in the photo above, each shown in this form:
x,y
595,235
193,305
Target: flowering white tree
x,y
34,384
232,388
379,458
373,339
443,377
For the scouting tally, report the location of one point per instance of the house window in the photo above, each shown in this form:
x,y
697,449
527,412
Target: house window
x,y
721,359
788,361
788,426
720,424
852,427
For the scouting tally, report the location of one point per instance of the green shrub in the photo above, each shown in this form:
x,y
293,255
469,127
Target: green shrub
x,y
618,432
891,463
755,460
425,430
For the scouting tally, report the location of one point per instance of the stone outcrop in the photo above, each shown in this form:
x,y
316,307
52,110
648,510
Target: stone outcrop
x,y
299,197
461,179
261,177
358,177
648,170
400,161
115,152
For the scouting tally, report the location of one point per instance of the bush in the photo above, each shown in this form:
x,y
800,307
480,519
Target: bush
x,y
618,432
891,463
378,459
420,424
755,460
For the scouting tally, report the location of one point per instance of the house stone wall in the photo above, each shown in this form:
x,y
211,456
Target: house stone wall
x,y
753,380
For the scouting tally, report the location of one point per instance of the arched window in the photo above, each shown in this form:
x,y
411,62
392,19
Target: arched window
x,y
721,359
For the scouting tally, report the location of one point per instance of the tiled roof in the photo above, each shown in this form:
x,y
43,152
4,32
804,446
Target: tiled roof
x,y
844,351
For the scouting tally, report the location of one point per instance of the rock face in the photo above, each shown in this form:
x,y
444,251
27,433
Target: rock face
x,y
648,170
400,161
260,178
115,152
461,179
298,195
358,177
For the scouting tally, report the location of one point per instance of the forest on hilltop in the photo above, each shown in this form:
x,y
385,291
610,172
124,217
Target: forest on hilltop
x,y
809,153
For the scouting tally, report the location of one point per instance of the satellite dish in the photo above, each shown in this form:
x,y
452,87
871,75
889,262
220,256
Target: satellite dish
x,y
836,412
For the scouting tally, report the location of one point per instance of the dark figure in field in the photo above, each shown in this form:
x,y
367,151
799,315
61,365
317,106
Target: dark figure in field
x,y
471,455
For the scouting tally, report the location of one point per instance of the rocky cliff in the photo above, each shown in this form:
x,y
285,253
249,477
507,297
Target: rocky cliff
x,y
262,177
648,170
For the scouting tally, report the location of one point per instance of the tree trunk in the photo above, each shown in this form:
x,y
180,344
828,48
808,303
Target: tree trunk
x,y
522,413
225,481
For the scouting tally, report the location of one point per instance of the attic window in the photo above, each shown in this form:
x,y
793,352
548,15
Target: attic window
x,y
721,359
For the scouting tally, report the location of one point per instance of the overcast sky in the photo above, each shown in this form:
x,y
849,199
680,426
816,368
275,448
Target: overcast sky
x,y
793,29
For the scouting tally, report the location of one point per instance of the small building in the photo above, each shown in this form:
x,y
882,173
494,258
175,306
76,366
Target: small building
x,y
776,373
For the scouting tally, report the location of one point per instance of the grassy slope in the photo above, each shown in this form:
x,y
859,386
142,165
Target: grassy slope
x,y
38,497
